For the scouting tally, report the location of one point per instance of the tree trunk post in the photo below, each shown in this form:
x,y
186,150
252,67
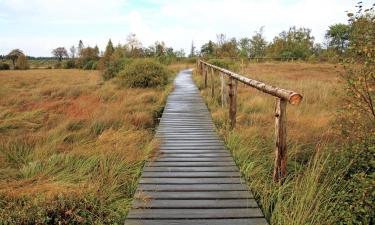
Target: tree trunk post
x,y
232,102
212,83
205,68
279,171
223,91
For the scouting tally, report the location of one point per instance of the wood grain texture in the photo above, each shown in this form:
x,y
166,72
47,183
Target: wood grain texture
x,y
194,179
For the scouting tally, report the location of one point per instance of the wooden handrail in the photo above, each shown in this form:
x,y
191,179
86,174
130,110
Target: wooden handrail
x,y
283,96
292,97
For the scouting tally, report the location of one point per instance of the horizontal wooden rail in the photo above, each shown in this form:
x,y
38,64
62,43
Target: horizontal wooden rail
x,y
283,96
292,97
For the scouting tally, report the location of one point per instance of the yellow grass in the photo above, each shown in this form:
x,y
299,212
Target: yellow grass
x,y
68,133
310,129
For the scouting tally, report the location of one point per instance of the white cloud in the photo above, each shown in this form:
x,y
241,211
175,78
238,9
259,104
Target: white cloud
x,y
175,22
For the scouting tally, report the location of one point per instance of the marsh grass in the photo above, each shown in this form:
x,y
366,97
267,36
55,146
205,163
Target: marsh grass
x,y
306,195
72,147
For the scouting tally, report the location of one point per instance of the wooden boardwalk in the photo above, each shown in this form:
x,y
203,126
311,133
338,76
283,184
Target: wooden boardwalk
x,y
194,180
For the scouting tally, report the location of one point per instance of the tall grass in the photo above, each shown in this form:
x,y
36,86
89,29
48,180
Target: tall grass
x,y
81,147
307,194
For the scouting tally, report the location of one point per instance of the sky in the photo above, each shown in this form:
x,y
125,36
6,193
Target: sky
x,y
38,26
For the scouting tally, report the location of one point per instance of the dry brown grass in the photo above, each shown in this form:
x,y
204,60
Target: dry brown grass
x,y
310,128
66,132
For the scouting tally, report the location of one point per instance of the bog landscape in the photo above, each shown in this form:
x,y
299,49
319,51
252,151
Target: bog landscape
x,y
240,129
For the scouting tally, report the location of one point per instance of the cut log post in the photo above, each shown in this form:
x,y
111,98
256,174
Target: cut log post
x,y
279,171
232,102
212,83
205,76
223,90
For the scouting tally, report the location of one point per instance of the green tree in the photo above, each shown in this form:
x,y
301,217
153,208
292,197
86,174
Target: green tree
x,y
258,44
106,58
208,49
226,48
244,46
88,54
14,54
80,46
338,36
296,43
160,49
357,120
109,49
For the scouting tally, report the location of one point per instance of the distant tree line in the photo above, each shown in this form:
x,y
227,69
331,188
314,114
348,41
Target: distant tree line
x,y
92,58
296,43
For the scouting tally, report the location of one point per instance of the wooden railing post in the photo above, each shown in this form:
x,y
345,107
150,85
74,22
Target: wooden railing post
x,y
279,171
232,101
205,76
283,97
223,94
212,83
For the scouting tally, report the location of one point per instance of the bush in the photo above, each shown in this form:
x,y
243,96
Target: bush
x,y
114,67
4,66
70,64
90,65
22,63
94,65
143,74
57,65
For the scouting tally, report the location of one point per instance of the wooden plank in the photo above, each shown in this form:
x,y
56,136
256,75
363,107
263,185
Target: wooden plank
x,y
192,169
191,204
192,147
195,213
189,174
247,221
192,155
193,187
195,195
217,159
190,181
191,164
194,179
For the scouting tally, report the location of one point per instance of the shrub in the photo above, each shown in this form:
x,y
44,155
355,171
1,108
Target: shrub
x,y
90,65
22,63
143,74
4,66
57,65
94,65
114,67
70,64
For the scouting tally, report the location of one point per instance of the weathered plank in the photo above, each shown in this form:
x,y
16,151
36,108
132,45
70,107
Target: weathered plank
x,y
190,164
196,195
247,221
191,204
192,187
195,213
190,181
190,174
192,169
193,179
